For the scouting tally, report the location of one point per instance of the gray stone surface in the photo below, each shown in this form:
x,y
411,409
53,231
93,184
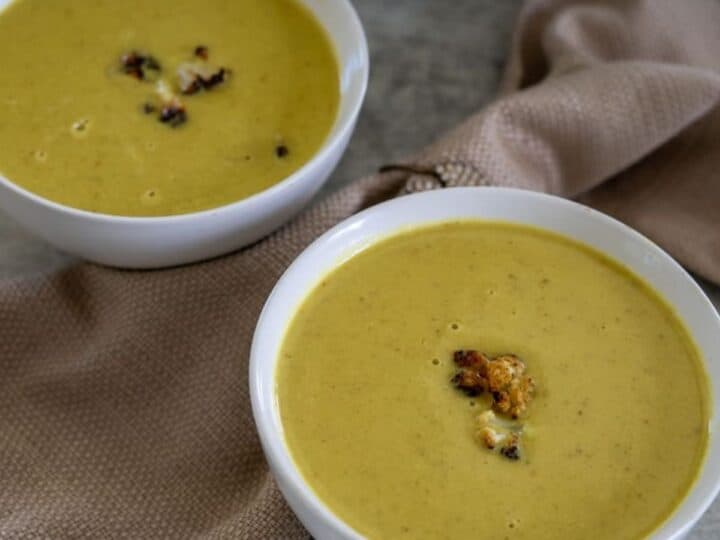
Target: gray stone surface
x,y
433,63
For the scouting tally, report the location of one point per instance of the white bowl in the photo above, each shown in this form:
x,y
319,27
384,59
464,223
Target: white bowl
x,y
151,242
552,213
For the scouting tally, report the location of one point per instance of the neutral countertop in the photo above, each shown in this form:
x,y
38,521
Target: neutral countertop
x,y
432,63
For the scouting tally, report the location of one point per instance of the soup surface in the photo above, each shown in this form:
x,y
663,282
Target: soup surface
x,y
84,86
614,436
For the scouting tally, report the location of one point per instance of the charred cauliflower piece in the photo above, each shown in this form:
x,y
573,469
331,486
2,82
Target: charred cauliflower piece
x,y
471,378
143,67
503,377
196,76
496,434
172,109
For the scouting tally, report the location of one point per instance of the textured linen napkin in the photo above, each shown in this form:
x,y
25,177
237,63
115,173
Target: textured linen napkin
x,y
124,408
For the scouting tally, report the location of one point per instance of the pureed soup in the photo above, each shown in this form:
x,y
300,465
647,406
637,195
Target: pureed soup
x,y
486,380
158,107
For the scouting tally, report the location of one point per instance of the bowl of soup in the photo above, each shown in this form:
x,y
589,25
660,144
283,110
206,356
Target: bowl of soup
x,y
153,133
488,363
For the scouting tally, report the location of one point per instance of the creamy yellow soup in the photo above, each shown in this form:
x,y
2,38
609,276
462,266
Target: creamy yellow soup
x,y
81,126
614,436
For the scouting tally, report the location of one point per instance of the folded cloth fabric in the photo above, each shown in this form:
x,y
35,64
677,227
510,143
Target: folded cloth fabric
x,y
124,408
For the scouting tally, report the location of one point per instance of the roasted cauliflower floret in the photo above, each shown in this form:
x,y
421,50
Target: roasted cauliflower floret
x,y
495,434
471,378
196,76
503,377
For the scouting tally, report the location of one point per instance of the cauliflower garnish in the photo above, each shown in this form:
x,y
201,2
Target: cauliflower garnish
x,y
499,435
192,77
511,390
503,377
196,76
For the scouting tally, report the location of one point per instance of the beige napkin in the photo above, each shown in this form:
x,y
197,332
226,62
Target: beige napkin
x,y
124,407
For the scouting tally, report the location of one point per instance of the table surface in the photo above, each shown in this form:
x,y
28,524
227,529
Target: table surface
x,y
432,64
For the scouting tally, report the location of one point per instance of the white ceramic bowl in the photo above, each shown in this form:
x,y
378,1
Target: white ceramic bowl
x,y
552,213
166,241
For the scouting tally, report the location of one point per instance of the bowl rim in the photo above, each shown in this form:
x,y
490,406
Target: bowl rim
x,y
272,436
340,128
